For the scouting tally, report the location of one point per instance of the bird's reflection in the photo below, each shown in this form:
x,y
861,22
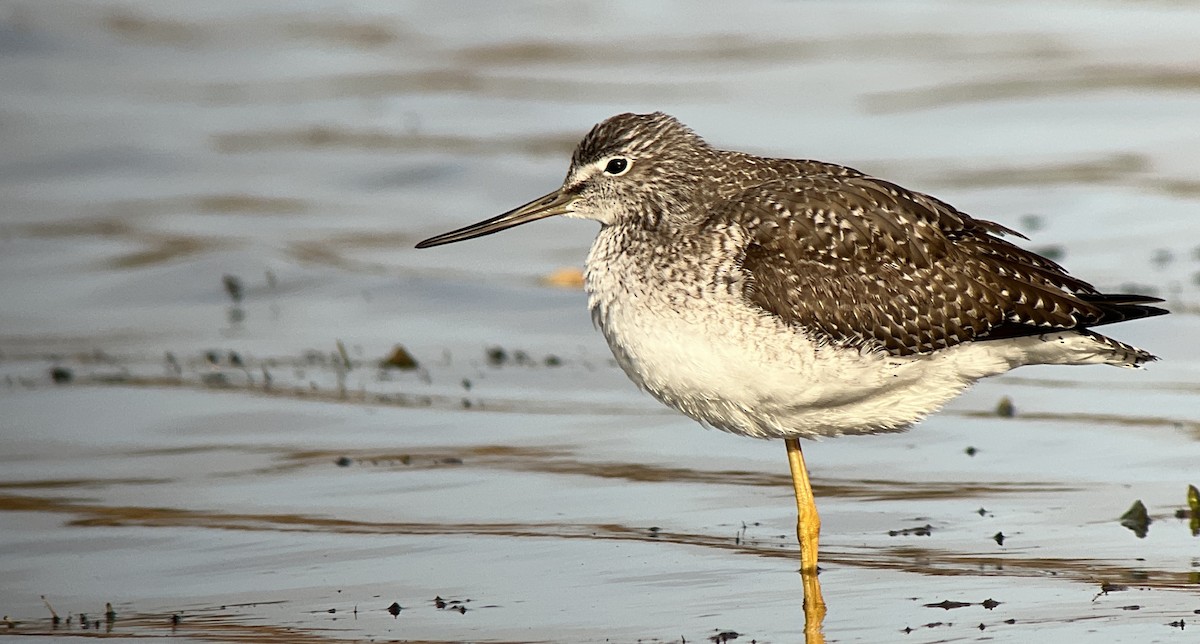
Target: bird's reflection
x,y
814,609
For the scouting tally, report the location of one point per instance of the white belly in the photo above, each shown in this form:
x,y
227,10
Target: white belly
x,y
724,363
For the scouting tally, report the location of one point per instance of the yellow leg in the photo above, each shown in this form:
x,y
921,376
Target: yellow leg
x,y
808,531
808,523
814,610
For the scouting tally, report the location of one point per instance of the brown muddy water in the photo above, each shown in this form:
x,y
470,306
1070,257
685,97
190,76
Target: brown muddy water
x,y
207,213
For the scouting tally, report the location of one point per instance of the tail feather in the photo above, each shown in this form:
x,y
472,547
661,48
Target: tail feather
x,y
1117,353
1121,307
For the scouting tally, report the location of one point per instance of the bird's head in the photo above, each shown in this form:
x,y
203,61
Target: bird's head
x,y
630,166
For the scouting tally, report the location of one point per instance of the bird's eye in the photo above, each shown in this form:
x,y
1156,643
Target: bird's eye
x,y
617,166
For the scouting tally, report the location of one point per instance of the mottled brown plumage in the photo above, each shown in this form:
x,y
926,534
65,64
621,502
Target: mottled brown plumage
x,y
866,263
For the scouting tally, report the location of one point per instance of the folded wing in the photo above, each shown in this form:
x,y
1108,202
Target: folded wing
x,y
861,262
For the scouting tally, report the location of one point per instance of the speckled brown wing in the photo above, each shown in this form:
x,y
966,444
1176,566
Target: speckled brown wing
x,y
862,262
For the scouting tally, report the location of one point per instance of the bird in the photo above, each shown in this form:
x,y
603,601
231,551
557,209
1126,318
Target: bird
x,y
784,299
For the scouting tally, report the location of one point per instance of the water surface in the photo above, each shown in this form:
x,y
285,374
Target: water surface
x,y
207,214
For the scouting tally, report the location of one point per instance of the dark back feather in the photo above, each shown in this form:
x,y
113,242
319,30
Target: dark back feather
x,y
862,262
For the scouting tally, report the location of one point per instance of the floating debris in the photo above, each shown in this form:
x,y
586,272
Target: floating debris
x,y
1137,519
344,461
999,538
233,287
457,605
1005,408
394,609
919,531
570,277
1106,588
496,356
971,451
909,629
61,375
54,618
949,605
400,358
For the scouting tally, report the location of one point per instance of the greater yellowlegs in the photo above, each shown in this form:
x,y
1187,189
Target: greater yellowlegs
x,y
779,298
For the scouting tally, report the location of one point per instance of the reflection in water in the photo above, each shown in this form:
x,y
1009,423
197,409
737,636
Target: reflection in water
x,y
208,623
814,609
931,561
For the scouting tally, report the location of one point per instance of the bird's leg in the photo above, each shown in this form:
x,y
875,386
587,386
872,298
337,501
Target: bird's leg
x,y
808,523
808,529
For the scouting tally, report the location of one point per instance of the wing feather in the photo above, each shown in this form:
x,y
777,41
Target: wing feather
x,y
865,263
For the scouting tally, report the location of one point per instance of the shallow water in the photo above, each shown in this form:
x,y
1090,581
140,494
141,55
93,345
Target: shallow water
x,y
247,466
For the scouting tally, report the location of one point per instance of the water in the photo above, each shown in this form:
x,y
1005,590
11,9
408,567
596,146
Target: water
x,y
222,460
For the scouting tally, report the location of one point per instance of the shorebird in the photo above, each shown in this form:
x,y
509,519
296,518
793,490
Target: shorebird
x,y
781,298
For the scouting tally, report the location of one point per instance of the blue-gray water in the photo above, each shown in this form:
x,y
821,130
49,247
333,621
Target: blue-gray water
x,y
189,462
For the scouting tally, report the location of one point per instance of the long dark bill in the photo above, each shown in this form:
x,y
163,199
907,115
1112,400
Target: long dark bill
x,y
555,203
